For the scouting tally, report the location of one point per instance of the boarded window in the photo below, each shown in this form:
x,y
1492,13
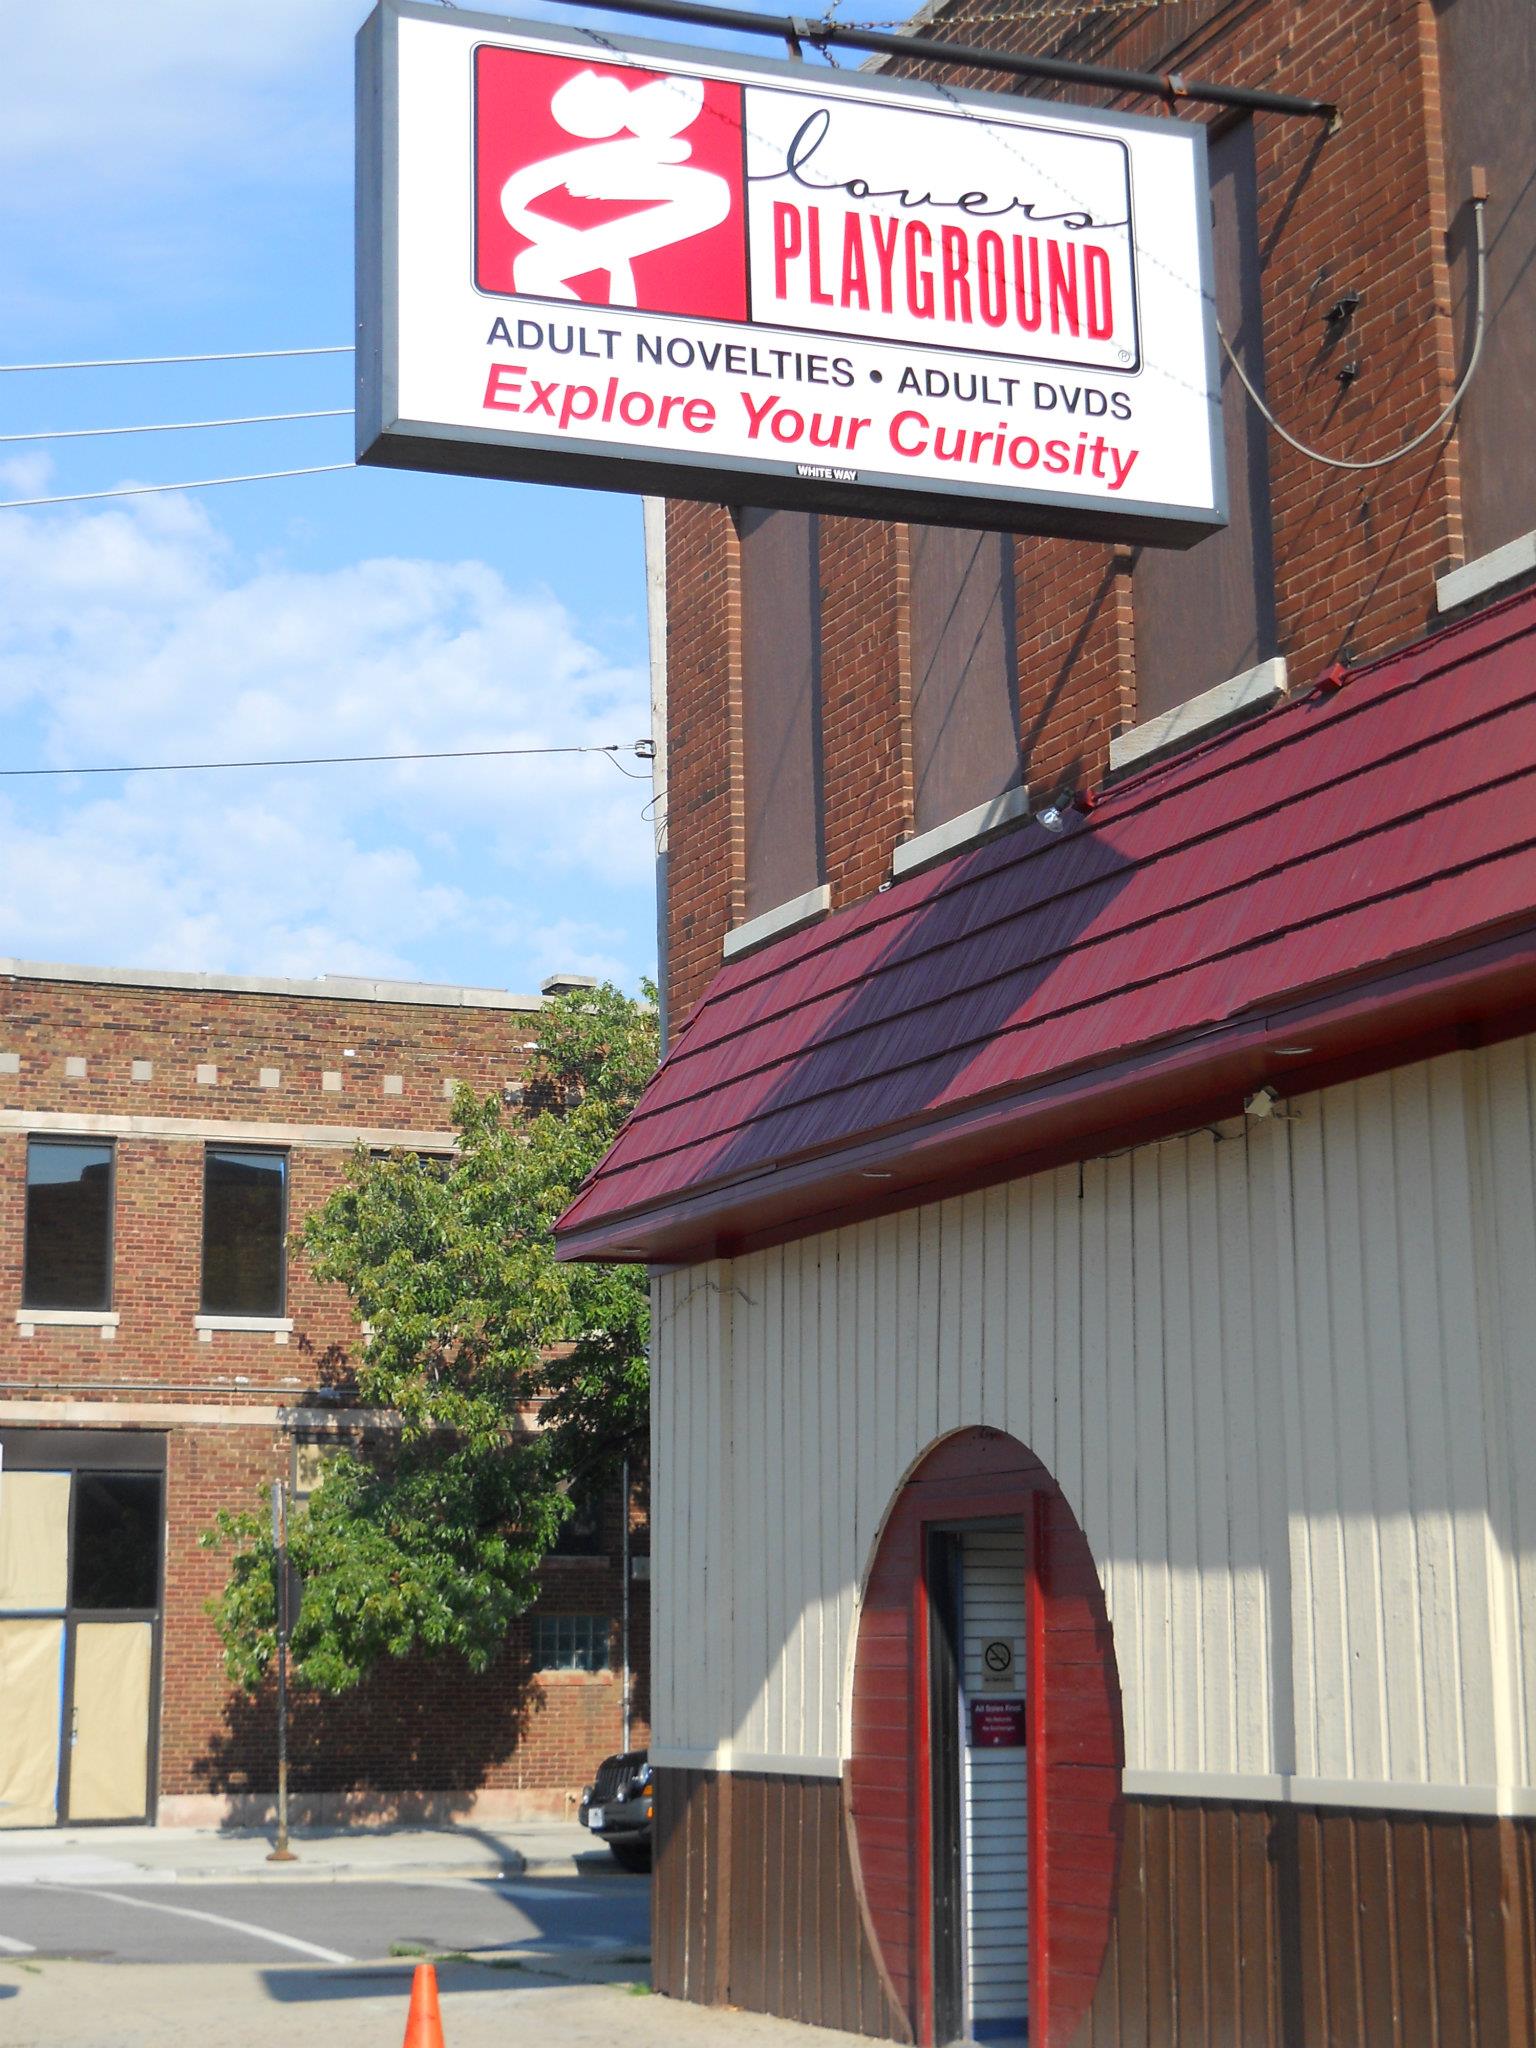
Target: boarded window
x,y
34,1540
245,1216
965,718
1488,56
570,1642
780,705
32,1687
310,1458
69,1225
1208,614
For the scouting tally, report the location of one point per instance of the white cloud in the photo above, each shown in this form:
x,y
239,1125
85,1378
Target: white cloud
x,y
136,635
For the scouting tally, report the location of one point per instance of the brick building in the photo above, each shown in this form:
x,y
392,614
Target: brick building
x,y
164,1356
1090,1184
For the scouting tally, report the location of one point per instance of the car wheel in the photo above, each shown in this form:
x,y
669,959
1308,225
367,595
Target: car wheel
x,y
631,1855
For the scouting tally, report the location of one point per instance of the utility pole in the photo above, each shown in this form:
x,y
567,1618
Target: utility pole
x,y
281,1853
624,1716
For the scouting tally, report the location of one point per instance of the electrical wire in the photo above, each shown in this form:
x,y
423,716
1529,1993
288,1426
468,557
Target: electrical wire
x,y
334,760
205,483
1382,461
255,419
236,355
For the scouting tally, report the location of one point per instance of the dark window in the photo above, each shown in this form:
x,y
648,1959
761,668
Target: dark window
x,y
116,1554
780,705
1208,614
437,1165
965,702
581,1533
570,1642
69,1225
1488,53
244,1221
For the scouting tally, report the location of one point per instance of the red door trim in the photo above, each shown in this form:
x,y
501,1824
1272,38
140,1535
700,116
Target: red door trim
x,y
923,1779
1037,1735
975,1475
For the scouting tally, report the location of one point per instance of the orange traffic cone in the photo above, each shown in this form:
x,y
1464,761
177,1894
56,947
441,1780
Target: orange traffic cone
x,y
424,2021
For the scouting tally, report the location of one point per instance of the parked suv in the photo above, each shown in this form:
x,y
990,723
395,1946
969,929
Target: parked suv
x,y
616,1806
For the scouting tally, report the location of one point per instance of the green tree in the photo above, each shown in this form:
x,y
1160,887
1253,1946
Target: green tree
x,y
432,1536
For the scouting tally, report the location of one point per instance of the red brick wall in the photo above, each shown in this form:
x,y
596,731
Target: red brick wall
x,y
422,1726
705,819
1356,554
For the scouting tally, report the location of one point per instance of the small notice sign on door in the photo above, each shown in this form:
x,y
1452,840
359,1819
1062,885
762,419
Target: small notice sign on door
x,y
997,1724
997,1665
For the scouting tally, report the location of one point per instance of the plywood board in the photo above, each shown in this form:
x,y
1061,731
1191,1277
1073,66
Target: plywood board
x,y
109,1765
31,1689
34,1540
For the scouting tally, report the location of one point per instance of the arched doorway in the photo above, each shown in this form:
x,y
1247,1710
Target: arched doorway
x,y
985,1924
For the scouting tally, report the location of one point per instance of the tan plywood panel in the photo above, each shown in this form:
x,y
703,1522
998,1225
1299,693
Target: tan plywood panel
x,y
109,1764
34,1539
31,1671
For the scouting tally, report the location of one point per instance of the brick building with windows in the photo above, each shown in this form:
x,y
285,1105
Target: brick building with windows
x,y
164,1355
1090,1185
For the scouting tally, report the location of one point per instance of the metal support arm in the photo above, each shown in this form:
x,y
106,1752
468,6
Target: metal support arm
x,y
824,35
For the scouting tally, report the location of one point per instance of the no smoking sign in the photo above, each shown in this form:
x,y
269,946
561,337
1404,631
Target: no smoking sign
x,y
997,1663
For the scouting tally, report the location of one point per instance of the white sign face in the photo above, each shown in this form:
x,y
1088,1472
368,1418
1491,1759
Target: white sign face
x,y
654,269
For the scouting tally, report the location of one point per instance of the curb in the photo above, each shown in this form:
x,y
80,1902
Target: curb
x,y
596,1865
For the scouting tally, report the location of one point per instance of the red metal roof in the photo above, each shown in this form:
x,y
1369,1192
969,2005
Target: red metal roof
x,y
1348,881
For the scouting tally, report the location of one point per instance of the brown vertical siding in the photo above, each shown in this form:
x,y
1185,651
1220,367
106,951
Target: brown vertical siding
x,y
1235,1926
1255,1927
754,1902
1520,1888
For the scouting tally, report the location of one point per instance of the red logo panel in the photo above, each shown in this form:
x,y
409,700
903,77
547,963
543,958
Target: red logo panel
x,y
608,186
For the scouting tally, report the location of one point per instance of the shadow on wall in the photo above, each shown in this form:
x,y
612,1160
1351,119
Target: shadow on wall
x,y
415,1742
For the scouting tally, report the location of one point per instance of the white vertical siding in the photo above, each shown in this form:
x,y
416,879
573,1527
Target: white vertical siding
x,y
1507,1276
1285,1374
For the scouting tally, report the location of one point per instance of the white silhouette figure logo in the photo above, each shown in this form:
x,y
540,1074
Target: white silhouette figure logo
x,y
646,163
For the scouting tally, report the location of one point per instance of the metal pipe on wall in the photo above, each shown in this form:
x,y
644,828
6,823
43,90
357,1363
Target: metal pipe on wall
x,y
624,1704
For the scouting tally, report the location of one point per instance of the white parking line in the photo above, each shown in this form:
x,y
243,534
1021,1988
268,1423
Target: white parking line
x,y
11,1947
304,1948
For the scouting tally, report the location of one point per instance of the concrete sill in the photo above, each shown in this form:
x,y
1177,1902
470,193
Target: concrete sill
x,y
792,916
1489,573
969,829
1254,690
30,1320
280,1328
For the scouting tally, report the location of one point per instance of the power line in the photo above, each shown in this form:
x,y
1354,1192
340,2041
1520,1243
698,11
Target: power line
x,y
236,355
1480,285
636,747
205,483
255,419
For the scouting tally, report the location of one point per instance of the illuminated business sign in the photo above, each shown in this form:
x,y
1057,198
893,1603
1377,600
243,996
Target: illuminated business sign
x,y
649,268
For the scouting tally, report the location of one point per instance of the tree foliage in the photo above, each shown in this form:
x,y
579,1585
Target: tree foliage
x,y
432,1536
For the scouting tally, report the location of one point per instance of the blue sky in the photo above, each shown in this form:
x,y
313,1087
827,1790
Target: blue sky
x,y
175,177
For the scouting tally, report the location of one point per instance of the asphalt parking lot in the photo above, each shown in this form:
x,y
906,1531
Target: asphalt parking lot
x,y
532,1918
153,1939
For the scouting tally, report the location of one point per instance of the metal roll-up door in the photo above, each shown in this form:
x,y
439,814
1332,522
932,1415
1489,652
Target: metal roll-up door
x,y
995,1783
